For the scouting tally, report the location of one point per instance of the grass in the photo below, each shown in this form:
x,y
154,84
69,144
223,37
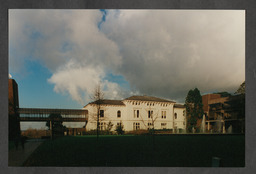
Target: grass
x,y
141,151
11,145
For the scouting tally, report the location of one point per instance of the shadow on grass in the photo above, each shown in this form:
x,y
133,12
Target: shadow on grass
x,y
140,151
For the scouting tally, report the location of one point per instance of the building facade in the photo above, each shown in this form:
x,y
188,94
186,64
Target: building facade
x,y
137,112
13,105
224,114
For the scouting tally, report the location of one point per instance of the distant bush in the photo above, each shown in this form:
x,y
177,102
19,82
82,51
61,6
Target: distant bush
x,y
138,132
101,132
35,133
163,131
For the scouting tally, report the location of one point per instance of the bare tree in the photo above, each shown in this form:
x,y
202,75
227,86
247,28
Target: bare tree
x,y
98,97
150,122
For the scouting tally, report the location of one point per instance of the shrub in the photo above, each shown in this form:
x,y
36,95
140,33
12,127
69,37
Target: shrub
x,y
35,133
120,129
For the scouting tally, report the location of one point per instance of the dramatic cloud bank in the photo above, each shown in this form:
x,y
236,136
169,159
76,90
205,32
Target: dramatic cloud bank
x,y
162,53
168,52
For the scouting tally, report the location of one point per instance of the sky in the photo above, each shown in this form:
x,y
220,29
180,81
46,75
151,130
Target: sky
x,y
58,57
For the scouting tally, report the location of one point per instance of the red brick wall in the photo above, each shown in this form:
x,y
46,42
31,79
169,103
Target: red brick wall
x,y
206,98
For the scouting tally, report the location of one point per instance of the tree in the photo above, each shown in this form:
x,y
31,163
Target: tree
x,y
241,89
56,121
109,127
194,107
237,102
150,123
98,97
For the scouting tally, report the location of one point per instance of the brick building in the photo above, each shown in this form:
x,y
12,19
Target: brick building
x,y
13,101
229,112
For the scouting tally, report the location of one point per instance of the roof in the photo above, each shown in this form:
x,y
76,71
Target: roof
x,y
218,100
148,98
110,102
179,106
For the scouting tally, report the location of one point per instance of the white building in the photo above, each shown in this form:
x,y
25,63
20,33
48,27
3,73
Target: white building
x,y
137,112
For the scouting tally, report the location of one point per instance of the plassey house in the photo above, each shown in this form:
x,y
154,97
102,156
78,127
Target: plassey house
x,y
137,112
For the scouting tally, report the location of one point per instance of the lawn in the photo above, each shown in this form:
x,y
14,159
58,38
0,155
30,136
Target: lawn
x,y
141,151
11,145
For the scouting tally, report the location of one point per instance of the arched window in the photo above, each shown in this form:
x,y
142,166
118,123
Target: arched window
x,y
118,114
175,115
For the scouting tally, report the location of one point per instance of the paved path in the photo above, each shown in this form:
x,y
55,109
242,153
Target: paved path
x,y
19,156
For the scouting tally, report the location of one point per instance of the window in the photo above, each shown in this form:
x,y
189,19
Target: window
x,y
163,125
118,114
101,113
175,115
136,113
150,114
164,114
150,125
136,126
184,112
102,125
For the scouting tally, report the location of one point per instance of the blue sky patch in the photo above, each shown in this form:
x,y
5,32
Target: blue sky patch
x,y
35,91
103,19
119,79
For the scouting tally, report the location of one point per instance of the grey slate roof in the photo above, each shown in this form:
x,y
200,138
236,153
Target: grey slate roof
x,y
110,102
148,98
179,106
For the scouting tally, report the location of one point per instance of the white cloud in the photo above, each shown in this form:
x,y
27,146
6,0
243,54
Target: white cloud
x,y
80,81
68,43
168,52
159,52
